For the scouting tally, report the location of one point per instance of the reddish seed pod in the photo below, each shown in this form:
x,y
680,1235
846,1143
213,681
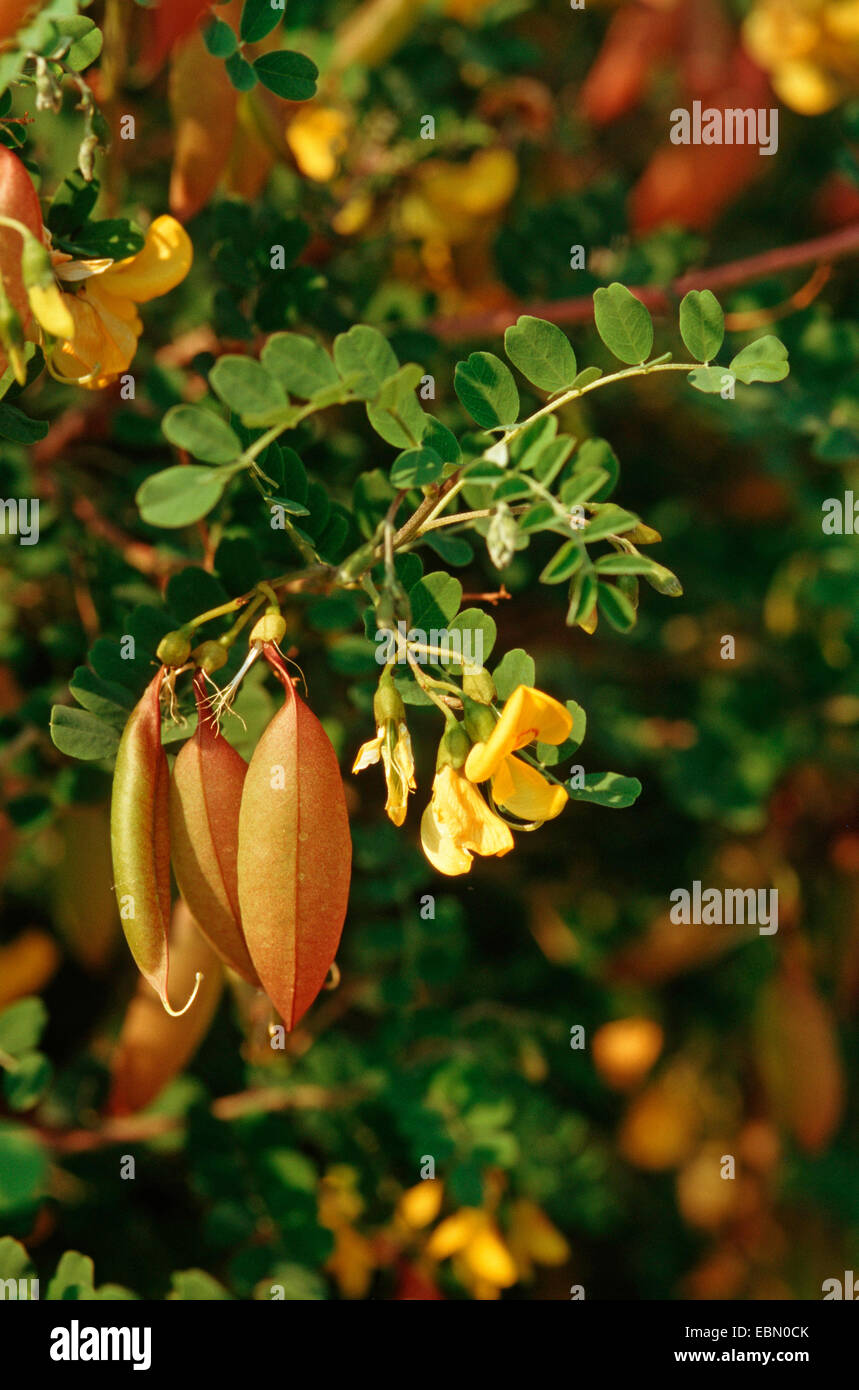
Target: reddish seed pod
x,y
295,854
19,200
205,797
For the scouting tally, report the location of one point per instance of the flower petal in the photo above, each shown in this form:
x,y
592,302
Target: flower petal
x,y
454,1233
489,1259
523,791
466,817
50,310
162,264
369,753
529,715
439,847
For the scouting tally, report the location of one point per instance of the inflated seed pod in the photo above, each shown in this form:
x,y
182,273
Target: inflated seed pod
x,y
205,796
153,1047
140,839
295,854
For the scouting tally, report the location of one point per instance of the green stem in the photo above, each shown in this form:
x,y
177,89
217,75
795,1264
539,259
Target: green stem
x,y
460,517
232,607
641,370
16,226
228,638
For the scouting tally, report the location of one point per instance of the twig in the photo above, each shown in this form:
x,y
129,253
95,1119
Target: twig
x,y
834,246
142,1128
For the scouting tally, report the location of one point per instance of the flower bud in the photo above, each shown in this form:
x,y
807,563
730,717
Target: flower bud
x,y
479,719
271,627
388,703
209,657
479,686
175,648
453,748
46,301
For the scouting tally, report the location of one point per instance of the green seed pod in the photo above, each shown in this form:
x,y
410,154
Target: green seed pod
x,y
210,657
140,840
175,648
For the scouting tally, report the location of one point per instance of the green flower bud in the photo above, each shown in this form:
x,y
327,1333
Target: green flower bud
x,y
175,648
271,627
454,747
387,702
479,719
479,686
209,656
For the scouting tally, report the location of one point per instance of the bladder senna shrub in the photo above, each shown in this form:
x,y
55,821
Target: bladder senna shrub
x,y
263,855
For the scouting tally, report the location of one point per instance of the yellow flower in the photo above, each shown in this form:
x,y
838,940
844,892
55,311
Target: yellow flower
x,y
528,716
318,137
353,1259
482,1260
393,743
340,1202
354,215
352,1262
809,47
421,1204
448,201
458,824
50,310
533,1239
95,320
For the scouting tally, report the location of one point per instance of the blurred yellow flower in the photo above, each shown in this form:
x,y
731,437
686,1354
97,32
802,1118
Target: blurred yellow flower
x,y
340,1202
625,1049
421,1204
483,1261
447,202
457,824
533,1239
809,47
95,319
354,215
352,1263
528,716
318,137
353,1259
